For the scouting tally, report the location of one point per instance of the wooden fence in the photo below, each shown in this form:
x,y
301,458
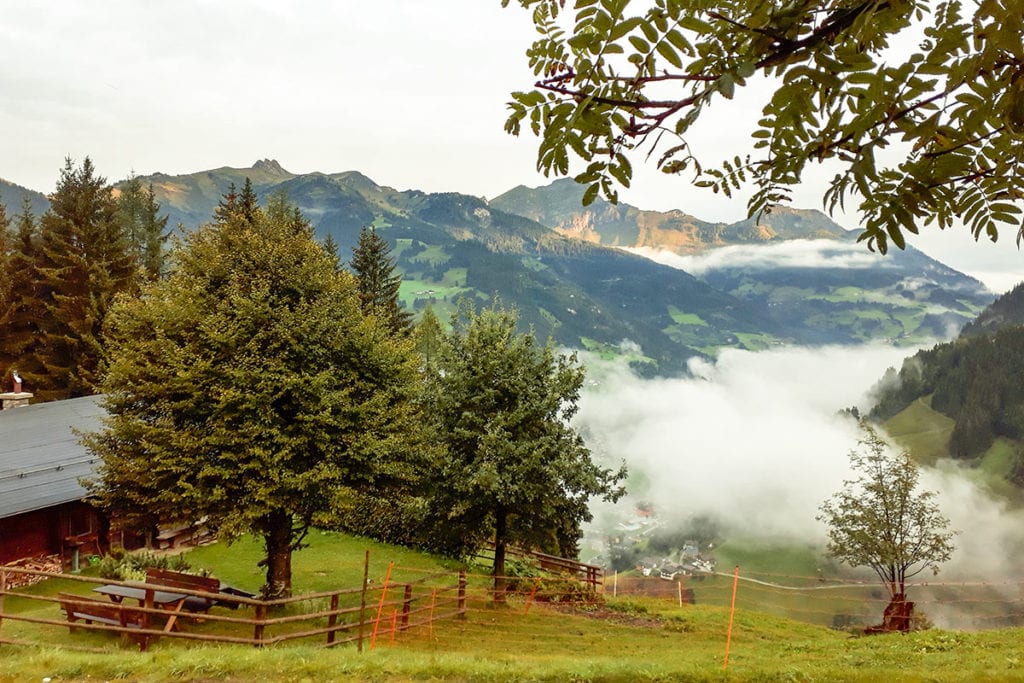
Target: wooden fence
x,y
590,574
347,615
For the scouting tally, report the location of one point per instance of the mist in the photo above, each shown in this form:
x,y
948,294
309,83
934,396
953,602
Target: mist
x,y
756,441
800,253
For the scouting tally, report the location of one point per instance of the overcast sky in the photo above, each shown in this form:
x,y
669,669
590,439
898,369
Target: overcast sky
x,y
411,93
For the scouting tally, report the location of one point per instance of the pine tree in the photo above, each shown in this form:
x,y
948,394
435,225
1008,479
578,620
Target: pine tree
x,y
85,260
139,212
331,249
248,205
22,309
428,337
6,248
226,206
378,283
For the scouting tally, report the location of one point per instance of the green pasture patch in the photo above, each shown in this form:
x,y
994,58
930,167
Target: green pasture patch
x,y
683,318
533,263
434,254
922,431
756,341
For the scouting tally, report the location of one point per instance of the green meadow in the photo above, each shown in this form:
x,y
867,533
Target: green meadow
x,y
624,638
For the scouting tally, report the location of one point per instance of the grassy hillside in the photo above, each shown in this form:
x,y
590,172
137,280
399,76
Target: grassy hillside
x,y
922,431
625,639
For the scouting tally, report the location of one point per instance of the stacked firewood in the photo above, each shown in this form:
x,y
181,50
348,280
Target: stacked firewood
x,y
50,564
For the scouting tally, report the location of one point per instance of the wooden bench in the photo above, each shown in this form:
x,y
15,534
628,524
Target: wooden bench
x,y
172,579
93,610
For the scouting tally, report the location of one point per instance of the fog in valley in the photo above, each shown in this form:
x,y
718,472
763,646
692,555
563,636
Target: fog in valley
x,y
756,441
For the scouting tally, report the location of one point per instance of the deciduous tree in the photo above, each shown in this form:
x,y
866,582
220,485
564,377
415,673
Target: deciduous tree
x,y
939,83
880,520
515,471
248,387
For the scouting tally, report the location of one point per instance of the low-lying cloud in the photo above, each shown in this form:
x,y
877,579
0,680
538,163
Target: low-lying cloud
x,y
755,440
788,254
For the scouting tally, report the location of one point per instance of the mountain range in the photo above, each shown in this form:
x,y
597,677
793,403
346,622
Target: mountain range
x,y
793,277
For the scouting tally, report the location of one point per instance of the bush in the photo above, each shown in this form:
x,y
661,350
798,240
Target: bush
x,y
121,565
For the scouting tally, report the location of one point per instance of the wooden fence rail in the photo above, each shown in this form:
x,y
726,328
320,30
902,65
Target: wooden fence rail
x,y
343,619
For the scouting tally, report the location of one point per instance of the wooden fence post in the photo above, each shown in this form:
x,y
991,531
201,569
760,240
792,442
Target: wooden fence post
x,y
3,592
462,594
406,606
332,620
261,615
362,601
394,626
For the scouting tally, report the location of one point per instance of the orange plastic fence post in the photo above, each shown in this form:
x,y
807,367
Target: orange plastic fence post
x,y
536,582
430,622
732,612
380,606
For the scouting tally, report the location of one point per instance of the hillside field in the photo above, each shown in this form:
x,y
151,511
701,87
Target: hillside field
x,y
623,639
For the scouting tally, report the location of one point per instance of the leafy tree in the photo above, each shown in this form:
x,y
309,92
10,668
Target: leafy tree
x,y
84,260
619,75
21,302
880,520
378,282
139,212
514,469
248,387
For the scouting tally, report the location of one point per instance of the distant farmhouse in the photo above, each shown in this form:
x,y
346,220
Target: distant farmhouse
x,y
42,511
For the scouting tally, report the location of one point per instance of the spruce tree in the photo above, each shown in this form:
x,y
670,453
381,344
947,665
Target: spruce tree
x,y
21,307
378,283
139,212
226,206
6,248
85,260
247,204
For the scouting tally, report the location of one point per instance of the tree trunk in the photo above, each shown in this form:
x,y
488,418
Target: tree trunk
x,y
897,617
277,536
500,531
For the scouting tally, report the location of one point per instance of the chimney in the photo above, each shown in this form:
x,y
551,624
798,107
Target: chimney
x,y
16,398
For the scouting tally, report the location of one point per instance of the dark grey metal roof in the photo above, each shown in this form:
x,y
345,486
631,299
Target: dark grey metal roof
x,y
41,459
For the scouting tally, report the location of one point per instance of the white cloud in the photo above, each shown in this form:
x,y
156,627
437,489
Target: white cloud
x,y
788,254
754,440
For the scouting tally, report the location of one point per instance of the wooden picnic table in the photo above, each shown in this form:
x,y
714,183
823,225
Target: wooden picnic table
x,y
148,597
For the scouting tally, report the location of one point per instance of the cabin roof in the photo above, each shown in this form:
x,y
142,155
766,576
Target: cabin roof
x,y
41,459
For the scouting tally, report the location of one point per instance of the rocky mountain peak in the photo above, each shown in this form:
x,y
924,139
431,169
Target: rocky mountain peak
x,y
271,166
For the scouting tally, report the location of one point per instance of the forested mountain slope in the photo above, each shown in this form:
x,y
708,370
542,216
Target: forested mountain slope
x,y
975,380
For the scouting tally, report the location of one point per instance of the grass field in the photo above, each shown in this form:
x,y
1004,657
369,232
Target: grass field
x,y
625,639
921,430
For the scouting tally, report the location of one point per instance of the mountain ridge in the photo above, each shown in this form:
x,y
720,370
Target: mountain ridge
x,y
585,294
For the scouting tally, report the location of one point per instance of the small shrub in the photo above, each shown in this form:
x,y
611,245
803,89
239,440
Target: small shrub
x,y
124,566
679,624
627,607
